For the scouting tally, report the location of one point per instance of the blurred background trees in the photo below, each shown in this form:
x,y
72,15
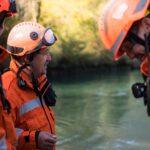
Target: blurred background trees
x,y
75,24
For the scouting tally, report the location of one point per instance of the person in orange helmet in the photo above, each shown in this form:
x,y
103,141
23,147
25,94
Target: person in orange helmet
x,y
27,87
8,133
124,28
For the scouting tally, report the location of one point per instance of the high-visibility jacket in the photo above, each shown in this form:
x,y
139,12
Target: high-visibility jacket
x,y
8,135
28,112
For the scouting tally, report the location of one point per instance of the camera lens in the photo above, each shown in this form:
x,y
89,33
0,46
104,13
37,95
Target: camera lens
x,y
138,90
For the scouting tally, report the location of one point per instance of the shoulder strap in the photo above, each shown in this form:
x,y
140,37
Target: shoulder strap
x,y
5,103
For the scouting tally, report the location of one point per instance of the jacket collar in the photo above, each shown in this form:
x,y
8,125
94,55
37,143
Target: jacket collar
x,y
25,73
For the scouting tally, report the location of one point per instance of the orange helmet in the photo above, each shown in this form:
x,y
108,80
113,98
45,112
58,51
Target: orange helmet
x,y
7,8
116,20
28,37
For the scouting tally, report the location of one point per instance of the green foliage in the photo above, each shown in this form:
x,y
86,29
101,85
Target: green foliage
x,y
75,25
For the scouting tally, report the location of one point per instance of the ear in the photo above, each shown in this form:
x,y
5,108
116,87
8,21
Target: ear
x,y
27,59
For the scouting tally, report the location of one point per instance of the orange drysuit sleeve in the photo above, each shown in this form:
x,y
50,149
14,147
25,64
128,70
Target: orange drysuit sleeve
x,y
8,136
27,138
27,112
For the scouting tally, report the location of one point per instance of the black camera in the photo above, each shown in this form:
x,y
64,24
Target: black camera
x,y
138,90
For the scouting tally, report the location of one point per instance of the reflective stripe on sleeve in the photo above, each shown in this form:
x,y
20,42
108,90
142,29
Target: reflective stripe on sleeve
x,y
28,106
3,145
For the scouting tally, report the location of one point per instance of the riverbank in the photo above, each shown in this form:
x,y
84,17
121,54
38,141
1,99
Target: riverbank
x,y
66,68
69,73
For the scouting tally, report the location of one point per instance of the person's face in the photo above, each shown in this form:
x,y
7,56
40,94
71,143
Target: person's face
x,y
136,50
40,62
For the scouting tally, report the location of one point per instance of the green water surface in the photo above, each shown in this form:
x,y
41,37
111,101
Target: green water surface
x,y
96,111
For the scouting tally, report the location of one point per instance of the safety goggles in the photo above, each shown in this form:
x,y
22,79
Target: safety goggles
x,y
48,39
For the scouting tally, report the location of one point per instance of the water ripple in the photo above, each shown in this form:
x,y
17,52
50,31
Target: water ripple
x,y
112,94
94,138
67,140
128,142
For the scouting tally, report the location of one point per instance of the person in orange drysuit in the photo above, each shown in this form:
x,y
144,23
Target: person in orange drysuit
x,y
27,87
124,28
8,135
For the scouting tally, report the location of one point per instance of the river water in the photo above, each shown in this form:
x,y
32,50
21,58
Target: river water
x,y
96,111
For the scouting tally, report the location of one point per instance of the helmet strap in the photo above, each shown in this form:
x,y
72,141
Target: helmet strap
x,y
30,57
4,101
22,83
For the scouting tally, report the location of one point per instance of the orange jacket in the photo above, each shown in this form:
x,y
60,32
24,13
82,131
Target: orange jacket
x,y
8,133
28,113
8,136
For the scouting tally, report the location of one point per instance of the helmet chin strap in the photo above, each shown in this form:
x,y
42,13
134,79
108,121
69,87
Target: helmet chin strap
x,y
25,67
